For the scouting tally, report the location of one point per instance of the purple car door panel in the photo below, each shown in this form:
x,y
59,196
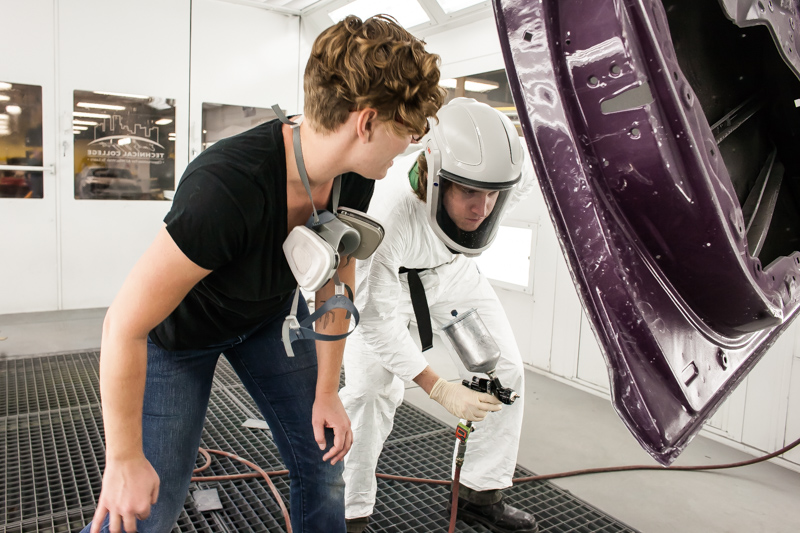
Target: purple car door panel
x,y
665,136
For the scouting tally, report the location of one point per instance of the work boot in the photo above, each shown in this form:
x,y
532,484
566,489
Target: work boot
x,y
487,507
357,525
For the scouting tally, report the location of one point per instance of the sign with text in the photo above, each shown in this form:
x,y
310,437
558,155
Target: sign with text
x,y
124,146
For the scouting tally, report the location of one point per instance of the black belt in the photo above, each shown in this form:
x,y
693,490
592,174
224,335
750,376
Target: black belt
x,y
420,304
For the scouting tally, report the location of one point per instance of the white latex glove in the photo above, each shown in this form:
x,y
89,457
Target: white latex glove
x,y
463,402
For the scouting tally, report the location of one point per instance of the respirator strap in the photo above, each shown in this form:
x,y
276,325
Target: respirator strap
x,y
295,330
301,166
420,304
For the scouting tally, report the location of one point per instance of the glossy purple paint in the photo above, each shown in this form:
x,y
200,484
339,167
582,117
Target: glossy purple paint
x,y
644,210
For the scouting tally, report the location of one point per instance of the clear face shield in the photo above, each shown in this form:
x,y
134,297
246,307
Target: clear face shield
x,y
474,160
468,214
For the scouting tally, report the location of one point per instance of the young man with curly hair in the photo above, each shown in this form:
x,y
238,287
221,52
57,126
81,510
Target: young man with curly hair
x,y
215,280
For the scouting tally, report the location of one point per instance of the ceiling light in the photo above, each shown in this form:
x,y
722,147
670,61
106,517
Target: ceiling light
x,y
471,86
124,95
450,6
13,109
80,128
4,86
91,105
84,122
408,13
4,98
89,115
164,121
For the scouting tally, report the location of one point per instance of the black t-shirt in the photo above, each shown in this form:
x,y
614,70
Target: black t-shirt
x,y
229,215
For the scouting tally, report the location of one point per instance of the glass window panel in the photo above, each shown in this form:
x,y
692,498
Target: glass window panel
x,y
408,13
223,120
450,6
508,259
124,146
20,140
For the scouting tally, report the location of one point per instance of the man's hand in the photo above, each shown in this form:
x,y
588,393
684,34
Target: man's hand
x,y
328,412
463,402
130,487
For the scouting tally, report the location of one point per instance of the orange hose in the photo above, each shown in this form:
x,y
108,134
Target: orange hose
x,y
255,467
454,502
454,505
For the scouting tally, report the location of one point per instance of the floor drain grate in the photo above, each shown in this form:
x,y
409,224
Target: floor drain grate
x,y
52,453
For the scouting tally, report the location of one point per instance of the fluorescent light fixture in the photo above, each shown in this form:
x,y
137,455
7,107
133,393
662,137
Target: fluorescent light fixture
x,y
450,6
164,121
89,115
90,105
13,109
80,128
76,132
408,13
124,141
124,95
84,123
4,98
4,86
471,86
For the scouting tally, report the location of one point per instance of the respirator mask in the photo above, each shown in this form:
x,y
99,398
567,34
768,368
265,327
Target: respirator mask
x,y
314,251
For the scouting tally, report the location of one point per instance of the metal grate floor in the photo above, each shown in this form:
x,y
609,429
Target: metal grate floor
x,y
52,458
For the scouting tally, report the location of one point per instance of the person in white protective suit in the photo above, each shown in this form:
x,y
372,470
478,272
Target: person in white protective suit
x,y
438,206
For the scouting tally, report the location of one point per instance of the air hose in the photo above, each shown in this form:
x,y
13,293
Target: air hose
x,y
454,483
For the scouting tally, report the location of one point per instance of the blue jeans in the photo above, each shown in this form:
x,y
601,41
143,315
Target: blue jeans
x,y
175,401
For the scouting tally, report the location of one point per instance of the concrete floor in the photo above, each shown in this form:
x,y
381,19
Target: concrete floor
x,y
565,429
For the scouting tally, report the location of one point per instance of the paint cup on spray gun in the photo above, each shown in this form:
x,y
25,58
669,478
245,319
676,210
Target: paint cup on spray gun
x,y
479,352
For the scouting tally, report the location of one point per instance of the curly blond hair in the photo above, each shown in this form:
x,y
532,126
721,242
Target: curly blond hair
x,y
375,63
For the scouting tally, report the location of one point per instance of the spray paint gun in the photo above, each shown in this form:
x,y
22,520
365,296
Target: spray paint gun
x,y
479,352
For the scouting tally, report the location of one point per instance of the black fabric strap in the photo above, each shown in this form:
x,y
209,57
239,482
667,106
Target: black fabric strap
x,y
420,304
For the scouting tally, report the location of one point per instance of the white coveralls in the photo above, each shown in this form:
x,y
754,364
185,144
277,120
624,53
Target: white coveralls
x,y
381,354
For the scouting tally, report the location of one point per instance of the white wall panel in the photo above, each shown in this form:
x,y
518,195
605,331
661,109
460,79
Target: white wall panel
x,y
729,418
793,414
307,35
767,396
244,56
566,324
591,365
519,310
28,240
115,46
